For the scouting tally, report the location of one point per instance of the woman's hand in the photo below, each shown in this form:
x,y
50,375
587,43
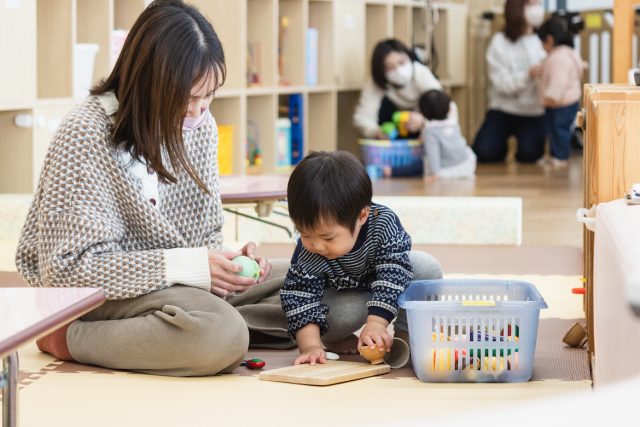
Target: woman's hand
x,y
224,280
415,123
249,250
311,355
375,334
535,71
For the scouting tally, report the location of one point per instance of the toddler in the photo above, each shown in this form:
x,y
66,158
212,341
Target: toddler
x,y
352,261
447,154
560,81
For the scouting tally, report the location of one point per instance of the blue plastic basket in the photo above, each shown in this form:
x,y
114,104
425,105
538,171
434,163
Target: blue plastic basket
x,y
398,157
472,330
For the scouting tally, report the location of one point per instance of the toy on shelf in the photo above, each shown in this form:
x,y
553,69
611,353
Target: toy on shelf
x,y
254,156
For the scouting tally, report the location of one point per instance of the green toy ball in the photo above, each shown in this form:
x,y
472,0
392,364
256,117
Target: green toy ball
x,y
250,268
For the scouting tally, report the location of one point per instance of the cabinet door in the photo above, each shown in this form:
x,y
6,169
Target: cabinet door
x,y
18,47
349,43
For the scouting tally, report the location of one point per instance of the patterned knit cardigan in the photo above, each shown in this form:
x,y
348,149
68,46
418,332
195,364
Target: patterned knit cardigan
x,y
89,225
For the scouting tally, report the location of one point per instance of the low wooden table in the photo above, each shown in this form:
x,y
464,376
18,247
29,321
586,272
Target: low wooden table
x,y
261,191
27,314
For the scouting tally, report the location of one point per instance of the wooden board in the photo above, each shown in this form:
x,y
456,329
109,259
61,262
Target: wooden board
x,y
333,372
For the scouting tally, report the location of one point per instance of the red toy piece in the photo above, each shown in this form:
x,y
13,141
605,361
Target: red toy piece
x,y
254,363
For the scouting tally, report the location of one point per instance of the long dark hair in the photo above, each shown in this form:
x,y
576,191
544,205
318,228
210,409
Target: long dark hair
x,y
515,25
170,47
380,52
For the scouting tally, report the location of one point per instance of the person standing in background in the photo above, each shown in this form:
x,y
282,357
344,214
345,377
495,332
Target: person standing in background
x,y
513,57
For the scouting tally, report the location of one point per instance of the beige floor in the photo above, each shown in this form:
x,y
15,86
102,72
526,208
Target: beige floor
x,y
55,393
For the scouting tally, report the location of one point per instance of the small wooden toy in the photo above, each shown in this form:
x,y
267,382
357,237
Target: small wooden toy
x,y
373,355
253,363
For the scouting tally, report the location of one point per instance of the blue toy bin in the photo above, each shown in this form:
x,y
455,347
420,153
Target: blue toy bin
x,y
472,330
398,157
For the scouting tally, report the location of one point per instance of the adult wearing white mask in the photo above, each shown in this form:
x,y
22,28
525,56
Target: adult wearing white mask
x,y
514,56
398,80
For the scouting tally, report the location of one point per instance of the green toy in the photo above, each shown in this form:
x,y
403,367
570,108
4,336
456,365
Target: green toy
x,y
250,268
389,129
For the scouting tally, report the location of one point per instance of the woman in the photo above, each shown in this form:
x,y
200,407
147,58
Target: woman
x,y
514,56
128,201
397,83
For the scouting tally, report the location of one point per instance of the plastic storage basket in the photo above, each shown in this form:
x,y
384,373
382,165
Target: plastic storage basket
x,y
398,157
472,330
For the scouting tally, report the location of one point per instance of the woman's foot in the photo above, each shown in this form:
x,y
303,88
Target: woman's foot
x,y
346,346
56,344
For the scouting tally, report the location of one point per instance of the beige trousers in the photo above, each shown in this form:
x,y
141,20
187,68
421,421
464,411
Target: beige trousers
x,y
185,331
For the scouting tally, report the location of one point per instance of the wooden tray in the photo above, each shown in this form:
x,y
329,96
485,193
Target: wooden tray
x,y
332,372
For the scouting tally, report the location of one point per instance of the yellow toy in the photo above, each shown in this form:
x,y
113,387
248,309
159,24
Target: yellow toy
x,y
401,120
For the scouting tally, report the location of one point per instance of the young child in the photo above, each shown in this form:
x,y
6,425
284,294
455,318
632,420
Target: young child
x,y
560,81
351,263
447,154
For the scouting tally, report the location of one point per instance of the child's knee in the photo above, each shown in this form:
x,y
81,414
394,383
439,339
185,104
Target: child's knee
x,y
425,266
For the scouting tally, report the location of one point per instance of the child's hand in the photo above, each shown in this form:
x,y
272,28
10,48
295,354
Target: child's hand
x,y
416,121
311,355
375,334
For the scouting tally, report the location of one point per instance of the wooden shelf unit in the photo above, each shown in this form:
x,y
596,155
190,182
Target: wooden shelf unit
x,y
39,35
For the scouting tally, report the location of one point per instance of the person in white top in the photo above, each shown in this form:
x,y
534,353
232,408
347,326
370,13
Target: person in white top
x,y
397,81
513,58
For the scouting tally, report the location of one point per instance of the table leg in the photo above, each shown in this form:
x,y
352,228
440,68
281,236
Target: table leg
x,y
10,390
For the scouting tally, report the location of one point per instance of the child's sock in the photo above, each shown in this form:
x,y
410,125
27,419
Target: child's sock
x,y
56,344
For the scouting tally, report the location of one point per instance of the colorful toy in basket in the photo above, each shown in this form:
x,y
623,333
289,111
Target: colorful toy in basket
x,y
397,128
401,120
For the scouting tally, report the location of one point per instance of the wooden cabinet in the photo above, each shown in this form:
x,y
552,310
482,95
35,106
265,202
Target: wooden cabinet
x,y
611,161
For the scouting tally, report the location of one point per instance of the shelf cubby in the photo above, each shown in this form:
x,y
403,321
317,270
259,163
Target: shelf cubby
x,y
18,44
16,173
291,37
378,27
321,19
320,121
94,25
349,43
347,134
229,111
56,35
402,24
262,43
229,21
262,113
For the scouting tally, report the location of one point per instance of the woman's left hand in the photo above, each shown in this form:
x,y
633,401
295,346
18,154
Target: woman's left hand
x,y
415,123
265,267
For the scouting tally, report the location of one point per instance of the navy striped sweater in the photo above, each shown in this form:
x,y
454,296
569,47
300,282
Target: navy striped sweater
x,y
378,263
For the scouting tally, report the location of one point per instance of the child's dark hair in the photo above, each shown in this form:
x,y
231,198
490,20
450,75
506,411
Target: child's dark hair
x,y
380,52
435,104
170,48
328,186
558,28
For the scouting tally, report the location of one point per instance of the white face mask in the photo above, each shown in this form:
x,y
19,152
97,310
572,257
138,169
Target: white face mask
x,y
401,75
534,14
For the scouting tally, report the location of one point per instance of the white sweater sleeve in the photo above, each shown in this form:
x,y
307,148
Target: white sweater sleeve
x,y
365,117
189,267
425,80
503,78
